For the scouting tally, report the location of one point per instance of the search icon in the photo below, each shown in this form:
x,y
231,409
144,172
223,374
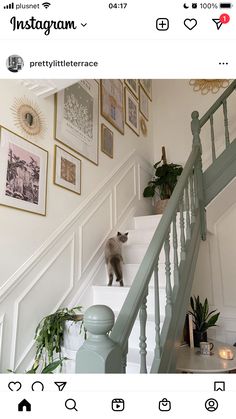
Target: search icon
x,y
71,404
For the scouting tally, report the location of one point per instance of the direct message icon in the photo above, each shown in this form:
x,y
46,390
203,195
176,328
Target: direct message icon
x,y
164,405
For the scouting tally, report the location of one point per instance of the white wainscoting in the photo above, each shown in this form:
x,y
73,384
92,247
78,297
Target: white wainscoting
x,y
215,275
61,271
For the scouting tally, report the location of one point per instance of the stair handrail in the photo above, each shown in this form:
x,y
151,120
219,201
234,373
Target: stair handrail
x,y
128,314
217,103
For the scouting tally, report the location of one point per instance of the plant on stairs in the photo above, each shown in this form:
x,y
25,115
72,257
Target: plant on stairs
x,y
163,182
49,338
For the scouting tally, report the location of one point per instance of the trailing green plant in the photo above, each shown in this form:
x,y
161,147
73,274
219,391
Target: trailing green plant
x,y
164,180
47,369
202,317
49,338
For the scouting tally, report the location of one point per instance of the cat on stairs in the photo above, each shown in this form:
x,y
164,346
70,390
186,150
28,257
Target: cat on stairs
x,y
113,257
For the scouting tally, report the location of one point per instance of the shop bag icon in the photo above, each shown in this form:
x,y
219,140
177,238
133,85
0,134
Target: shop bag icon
x,y
164,405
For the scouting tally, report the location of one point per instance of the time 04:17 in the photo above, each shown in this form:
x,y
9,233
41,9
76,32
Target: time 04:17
x,y
117,5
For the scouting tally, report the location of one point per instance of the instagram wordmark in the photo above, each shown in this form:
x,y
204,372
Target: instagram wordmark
x,y
45,25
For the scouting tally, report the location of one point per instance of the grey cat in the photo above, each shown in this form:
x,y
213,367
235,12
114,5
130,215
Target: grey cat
x,y
113,257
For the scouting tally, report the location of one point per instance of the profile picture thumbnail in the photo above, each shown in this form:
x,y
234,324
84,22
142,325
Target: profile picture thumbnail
x,y
15,63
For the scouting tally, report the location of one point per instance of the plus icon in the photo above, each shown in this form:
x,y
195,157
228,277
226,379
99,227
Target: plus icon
x,y
162,24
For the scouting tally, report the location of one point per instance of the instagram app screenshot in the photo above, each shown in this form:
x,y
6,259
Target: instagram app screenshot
x,y
117,209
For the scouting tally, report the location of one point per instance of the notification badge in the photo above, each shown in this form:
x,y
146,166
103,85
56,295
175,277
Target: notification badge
x,y
223,20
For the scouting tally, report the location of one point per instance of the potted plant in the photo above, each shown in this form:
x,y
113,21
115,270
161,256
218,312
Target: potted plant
x,y
163,182
202,319
50,335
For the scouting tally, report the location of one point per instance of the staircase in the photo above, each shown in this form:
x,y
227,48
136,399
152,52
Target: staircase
x,y
139,327
114,297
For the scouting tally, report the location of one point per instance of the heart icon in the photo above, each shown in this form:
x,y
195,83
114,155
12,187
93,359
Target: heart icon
x,y
190,23
14,385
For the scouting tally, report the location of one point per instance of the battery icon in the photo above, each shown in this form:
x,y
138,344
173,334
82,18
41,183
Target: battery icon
x,y
225,5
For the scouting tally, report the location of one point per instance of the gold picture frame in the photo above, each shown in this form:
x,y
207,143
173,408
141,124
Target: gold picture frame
x,y
147,87
107,138
133,85
77,118
143,103
67,170
24,172
132,112
112,103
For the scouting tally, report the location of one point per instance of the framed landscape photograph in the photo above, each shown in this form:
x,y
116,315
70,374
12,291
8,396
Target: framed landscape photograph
x,y
23,177
133,86
67,170
131,111
77,111
112,103
147,87
143,103
107,141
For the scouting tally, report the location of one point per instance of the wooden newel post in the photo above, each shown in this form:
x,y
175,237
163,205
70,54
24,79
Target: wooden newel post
x,y
99,354
196,129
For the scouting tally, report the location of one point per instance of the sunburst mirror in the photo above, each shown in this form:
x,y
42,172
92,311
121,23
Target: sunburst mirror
x,y
28,117
208,85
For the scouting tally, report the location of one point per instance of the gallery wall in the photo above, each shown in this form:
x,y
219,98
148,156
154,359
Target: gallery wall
x,y
23,233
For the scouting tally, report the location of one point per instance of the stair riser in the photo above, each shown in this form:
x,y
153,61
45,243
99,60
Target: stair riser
x,y
114,297
135,254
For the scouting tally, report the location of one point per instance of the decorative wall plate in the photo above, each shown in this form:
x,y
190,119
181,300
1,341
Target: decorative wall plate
x,y
208,85
143,126
28,117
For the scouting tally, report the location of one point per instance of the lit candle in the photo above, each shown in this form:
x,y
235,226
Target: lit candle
x,y
226,353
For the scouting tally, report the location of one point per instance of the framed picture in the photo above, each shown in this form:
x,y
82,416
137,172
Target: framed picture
x,y
133,86
107,141
67,170
77,118
131,111
112,103
23,178
147,86
143,103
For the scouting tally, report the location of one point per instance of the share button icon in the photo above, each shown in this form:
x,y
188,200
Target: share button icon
x,y
60,385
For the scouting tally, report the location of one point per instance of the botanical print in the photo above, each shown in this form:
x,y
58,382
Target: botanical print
x,y
23,173
147,87
143,103
77,118
78,111
23,176
133,85
107,141
68,171
112,106
131,112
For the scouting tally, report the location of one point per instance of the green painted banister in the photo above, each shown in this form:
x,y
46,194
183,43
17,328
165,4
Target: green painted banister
x,y
127,316
218,103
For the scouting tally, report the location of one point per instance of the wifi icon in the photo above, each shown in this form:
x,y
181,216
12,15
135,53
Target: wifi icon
x,y
46,4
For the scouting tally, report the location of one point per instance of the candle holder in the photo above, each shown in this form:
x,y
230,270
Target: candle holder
x,y
226,354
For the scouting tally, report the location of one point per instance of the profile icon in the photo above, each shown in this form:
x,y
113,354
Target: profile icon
x,y
15,63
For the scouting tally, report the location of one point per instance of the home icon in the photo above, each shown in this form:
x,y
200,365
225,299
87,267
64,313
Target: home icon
x,y
24,405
